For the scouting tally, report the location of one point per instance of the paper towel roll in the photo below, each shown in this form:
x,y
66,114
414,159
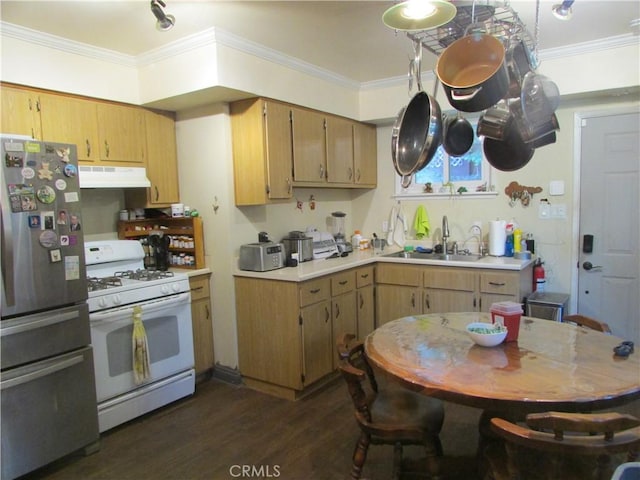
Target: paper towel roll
x,y
497,237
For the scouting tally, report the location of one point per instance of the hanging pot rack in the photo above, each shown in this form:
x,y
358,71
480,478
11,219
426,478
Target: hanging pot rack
x,y
495,18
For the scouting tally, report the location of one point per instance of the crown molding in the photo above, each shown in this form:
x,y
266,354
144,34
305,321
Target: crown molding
x,y
215,36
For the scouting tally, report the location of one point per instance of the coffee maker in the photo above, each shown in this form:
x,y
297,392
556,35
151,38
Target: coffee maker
x,y
158,251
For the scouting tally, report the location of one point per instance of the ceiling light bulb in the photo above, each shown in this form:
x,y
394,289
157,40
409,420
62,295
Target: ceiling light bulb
x,y
414,15
418,9
563,11
166,23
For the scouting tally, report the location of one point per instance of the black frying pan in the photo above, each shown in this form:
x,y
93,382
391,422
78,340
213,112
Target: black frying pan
x,y
457,136
509,154
416,135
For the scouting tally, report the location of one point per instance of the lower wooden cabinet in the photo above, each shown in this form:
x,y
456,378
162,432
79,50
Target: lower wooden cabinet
x,y
403,290
202,325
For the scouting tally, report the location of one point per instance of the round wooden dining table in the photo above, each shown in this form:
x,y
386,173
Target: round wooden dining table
x,y
551,366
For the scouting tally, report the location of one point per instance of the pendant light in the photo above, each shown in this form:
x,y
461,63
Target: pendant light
x,y
165,22
419,14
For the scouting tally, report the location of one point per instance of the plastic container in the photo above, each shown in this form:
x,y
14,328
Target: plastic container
x,y
508,314
356,238
517,240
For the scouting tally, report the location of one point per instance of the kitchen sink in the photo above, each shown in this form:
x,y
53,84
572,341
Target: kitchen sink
x,y
449,257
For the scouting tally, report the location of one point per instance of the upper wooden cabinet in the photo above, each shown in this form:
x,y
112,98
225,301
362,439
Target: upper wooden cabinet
x,y
365,162
122,133
309,146
262,156
277,146
20,112
71,120
162,167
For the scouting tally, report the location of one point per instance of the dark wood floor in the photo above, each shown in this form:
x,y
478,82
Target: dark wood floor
x,y
223,427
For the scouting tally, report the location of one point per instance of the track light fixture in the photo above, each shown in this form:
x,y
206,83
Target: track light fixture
x,y
563,11
412,15
165,22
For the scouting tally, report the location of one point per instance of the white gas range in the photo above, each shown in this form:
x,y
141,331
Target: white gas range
x,y
118,282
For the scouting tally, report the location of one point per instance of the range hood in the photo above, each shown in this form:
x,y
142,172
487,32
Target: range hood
x,y
113,177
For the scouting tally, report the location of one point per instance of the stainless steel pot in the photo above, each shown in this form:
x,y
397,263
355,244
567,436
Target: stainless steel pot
x,y
473,72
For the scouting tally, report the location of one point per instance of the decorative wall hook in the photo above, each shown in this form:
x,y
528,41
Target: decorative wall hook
x,y
516,192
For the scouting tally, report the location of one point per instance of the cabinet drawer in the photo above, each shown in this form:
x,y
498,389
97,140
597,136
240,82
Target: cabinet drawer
x,y
199,287
314,291
343,282
499,282
364,277
398,274
450,279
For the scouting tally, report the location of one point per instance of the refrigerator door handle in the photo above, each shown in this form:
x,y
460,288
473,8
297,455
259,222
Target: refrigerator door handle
x,y
40,322
42,372
7,249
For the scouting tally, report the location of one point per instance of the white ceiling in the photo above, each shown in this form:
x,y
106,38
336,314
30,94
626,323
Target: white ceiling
x,y
346,38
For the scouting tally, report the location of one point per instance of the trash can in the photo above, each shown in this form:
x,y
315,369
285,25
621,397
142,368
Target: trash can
x,y
547,305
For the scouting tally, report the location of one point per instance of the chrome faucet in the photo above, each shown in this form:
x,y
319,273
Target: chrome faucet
x,y
445,234
481,249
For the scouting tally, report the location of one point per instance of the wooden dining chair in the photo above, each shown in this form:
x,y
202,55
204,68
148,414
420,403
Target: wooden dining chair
x,y
563,446
388,416
587,322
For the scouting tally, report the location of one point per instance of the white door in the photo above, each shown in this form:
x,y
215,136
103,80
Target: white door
x,y
608,286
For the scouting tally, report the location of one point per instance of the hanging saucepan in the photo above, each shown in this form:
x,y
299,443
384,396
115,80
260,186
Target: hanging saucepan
x,y
495,121
518,64
473,72
457,136
534,131
509,154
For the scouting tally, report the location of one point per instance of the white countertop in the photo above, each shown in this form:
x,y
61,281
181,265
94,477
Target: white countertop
x,y
317,268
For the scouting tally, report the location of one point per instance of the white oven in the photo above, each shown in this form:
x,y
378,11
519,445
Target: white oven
x,y
165,300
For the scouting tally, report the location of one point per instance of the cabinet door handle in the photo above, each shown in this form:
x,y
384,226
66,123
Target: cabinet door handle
x,y
350,173
288,185
413,299
321,172
337,310
314,291
358,176
497,284
196,289
343,282
474,302
88,147
106,148
326,315
206,307
361,301
427,303
364,275
157,192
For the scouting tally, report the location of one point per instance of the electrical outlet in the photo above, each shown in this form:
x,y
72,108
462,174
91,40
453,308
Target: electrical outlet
x,y
544,211
559,210
385,226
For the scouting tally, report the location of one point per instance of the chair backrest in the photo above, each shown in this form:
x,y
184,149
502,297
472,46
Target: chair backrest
x,y
588,322
358,374
574,433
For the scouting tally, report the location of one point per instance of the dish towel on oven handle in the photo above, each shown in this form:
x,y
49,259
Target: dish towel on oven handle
x,y
140,348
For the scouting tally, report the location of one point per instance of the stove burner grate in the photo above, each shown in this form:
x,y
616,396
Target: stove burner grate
x,y
143,275
95,283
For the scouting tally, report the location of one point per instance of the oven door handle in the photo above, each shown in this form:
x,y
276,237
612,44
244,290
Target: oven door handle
x,y
147,307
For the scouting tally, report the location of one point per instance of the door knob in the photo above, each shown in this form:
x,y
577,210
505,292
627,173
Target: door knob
x,y
589,266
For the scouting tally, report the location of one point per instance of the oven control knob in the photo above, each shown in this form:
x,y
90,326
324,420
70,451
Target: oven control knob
x,y
102,302
175,287
116,299
165,290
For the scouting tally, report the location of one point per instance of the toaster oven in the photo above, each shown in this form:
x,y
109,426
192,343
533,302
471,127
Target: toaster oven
x,y
262,256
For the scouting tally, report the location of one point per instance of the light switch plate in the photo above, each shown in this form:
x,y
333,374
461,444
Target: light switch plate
x,y
544,211
556,187
559,210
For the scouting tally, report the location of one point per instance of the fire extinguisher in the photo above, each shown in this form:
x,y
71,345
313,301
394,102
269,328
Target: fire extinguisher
x,y
538,276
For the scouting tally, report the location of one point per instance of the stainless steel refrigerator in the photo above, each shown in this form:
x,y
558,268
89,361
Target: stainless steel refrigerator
x,y
47,385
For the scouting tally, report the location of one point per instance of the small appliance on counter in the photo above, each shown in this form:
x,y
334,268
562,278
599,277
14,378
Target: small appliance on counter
x,y
338,232
300,243
158,251
262,256
324,245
